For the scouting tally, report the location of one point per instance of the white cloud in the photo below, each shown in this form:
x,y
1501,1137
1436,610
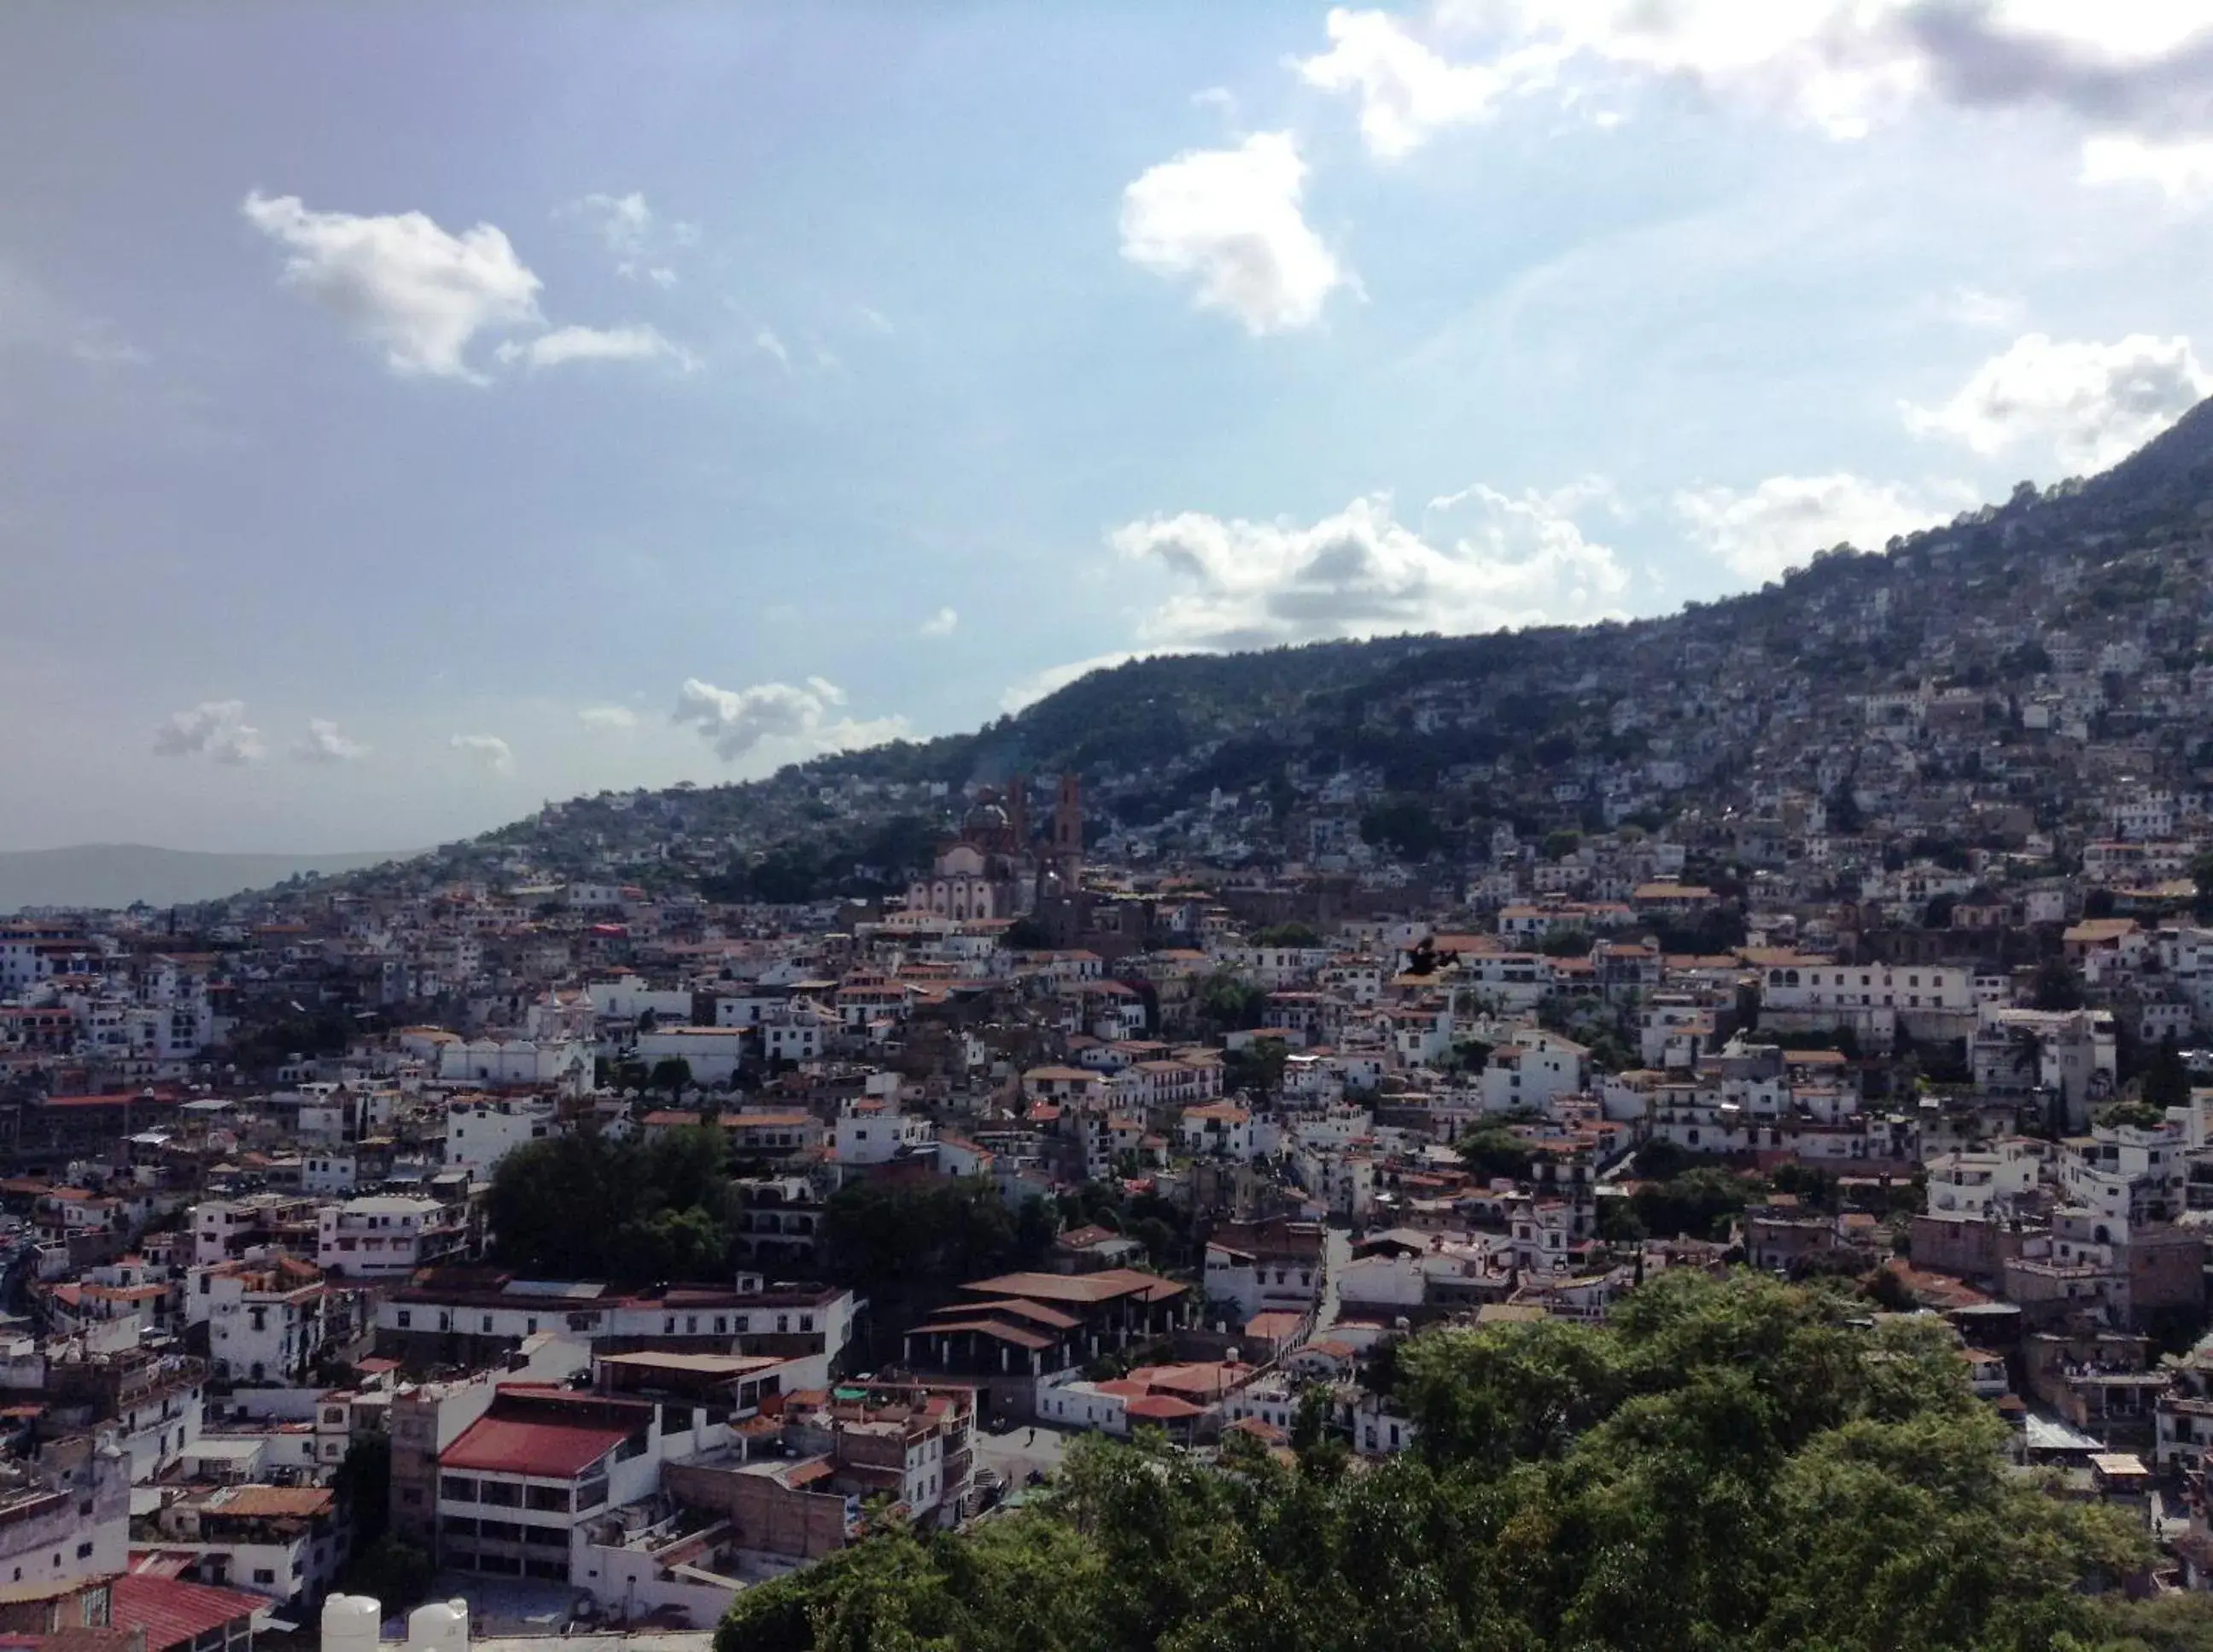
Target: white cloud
x,y
1781,524
633,341
618,719
1033,688
638,236
216,728
1229,221
734,721
401,281
624,221
33,318
1841,66
324,743
876,320
768,343
939,624
1407,92
1973,307
2092,403
1482,559
495,754
2184,170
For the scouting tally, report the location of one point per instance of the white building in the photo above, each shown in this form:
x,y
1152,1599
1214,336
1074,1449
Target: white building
x,y
482,1129
66,1517
383,1235
1975,1181
872,1134
267,1322
515,1062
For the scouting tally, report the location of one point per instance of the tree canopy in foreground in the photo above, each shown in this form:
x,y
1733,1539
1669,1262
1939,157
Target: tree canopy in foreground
x,y
1727,1463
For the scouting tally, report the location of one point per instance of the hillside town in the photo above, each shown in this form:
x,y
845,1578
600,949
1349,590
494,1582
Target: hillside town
x,y
1089,1130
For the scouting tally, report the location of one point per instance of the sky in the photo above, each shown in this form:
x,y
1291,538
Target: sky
x,y
411,413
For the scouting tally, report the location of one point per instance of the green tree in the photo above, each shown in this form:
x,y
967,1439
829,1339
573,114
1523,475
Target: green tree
x,y
1225,1003
1404,826
2056,986
2167,1079
392,1571
1732,1464
1570,942
1256,1068
1697,1204
672,1073
586,1207
1025,934
1490,1149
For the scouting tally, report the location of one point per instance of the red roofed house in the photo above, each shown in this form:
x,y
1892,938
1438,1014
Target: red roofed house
x,y
181,1617
1009,1331
519,1487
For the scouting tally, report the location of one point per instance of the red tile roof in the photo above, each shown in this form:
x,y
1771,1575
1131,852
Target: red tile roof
x,y
553,1451
1163,1408
176,1613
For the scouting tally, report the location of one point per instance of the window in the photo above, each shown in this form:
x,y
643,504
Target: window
x,y
549,1499
456,1489
261,1574
498,1495
84,1552
404,1318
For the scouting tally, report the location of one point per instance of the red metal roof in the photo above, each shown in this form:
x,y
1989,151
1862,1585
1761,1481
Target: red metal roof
x,y
1163,1408
551,1451
175,1613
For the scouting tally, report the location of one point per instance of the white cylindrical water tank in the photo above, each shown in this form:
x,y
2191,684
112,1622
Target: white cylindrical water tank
x,y
349,1623
440,1626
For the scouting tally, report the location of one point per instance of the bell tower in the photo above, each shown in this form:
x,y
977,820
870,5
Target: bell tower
x,y
1068,831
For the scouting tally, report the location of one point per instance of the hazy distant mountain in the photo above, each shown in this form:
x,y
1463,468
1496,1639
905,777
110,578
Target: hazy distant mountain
x,y
119,874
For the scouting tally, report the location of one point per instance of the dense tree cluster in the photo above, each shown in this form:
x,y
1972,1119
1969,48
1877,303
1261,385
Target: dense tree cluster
x,y
1735,1464
879,1235
589,1207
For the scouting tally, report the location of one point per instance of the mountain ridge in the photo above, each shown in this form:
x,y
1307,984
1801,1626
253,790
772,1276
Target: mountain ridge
x,y
1540,728
117,874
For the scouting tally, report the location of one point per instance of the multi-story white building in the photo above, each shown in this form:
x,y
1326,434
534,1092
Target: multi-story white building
x,y
68,1516
1533,1072
870,1132
384,1236
267,1322
1975,1182
519,1489
482,1129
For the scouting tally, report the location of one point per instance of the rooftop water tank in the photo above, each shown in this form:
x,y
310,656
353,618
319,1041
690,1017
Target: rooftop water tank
x,y
442,1626
349,1623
